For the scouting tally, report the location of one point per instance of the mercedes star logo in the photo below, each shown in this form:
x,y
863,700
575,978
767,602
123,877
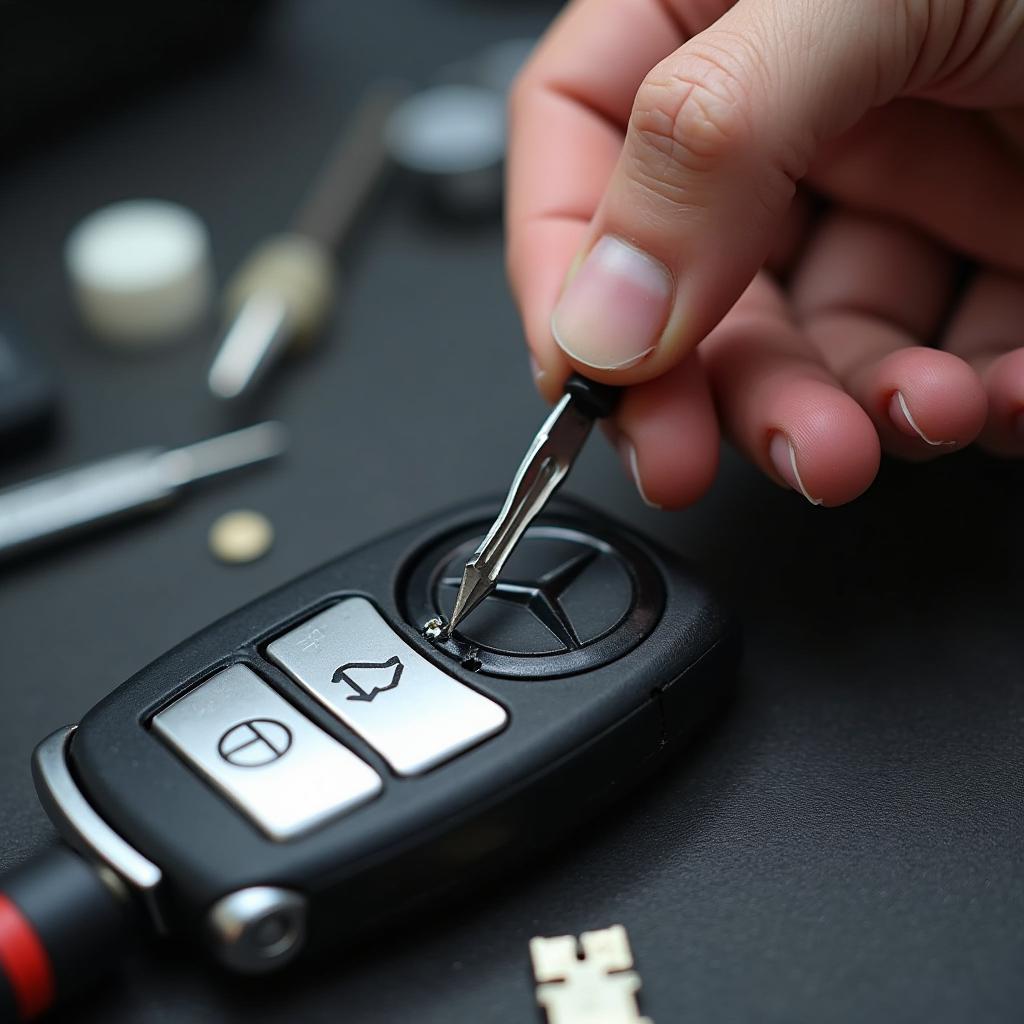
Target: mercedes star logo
x,y
541,597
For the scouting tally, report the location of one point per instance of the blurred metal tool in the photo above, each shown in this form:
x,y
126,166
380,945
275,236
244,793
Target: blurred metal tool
x,y
546,464
282,294
72,501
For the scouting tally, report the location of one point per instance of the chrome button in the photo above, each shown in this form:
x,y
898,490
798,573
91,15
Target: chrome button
x,y
355,664
266,757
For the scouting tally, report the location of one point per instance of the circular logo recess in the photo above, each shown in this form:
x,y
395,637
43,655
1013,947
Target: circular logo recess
x,y
255,742
567,602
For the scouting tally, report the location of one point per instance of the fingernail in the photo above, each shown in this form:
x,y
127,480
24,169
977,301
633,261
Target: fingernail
x,y
901,416
783,456
627,452
614,307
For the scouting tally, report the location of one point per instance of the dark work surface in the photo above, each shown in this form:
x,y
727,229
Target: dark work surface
x,y
845,846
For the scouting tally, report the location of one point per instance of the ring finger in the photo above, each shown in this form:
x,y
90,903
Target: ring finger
x,y
869,292
986,332
780,404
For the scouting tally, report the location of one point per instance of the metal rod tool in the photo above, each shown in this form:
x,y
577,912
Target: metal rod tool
x,y
74,500
546,464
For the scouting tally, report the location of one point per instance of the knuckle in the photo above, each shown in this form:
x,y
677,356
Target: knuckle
x,y
691,114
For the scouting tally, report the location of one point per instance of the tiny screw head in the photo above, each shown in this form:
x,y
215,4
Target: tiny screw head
x,y
433,628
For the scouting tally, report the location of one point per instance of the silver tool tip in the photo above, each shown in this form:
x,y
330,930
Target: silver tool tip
x,y
251,342
475,586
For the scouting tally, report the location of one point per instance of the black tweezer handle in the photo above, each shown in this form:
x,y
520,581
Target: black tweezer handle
x,y
596,400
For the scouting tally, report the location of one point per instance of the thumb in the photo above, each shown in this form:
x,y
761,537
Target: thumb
x,y
719,134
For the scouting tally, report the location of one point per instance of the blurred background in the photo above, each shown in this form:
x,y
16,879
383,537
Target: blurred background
x,y
844,847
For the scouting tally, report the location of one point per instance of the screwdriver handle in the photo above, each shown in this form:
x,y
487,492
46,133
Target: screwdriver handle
x,y
596,400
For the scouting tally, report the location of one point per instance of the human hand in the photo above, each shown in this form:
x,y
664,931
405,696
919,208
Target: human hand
x,y
797,186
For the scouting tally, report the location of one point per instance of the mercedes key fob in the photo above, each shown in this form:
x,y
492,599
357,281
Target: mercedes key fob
x,y
312,765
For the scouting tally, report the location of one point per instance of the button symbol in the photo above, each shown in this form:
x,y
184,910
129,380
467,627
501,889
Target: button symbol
x,y
381,676
257,742
310,640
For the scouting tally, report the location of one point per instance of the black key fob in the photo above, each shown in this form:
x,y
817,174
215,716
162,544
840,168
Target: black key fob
x,y
312,765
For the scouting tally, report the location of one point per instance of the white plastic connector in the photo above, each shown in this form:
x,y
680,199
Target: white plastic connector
x,y
590,982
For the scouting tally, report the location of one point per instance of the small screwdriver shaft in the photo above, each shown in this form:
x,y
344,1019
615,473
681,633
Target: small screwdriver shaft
x,y
283,292
217,455
41,511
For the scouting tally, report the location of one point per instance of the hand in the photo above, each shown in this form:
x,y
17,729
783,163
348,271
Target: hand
x,y
813,191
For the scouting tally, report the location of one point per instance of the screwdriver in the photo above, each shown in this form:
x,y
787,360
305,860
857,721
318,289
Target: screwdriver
x,y
72,501
282,294
546,464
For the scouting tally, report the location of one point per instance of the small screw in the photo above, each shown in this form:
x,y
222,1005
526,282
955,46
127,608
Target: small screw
x,y
433,628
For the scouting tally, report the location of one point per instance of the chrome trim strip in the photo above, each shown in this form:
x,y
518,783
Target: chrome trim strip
x,y
83,828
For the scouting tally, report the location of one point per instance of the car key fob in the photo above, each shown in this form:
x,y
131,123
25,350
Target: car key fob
x,y
312,765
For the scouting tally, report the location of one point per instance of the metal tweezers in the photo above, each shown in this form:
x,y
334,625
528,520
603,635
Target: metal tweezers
x,y
546,464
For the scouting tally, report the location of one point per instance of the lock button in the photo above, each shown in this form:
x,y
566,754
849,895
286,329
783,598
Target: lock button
x,y
363,672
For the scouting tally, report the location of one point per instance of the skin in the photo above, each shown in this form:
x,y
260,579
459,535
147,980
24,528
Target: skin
x,y
835,189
